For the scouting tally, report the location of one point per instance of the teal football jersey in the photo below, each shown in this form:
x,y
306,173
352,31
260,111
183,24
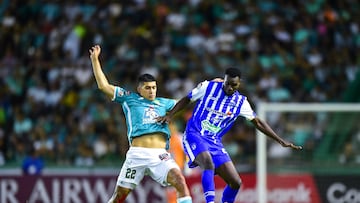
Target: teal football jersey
x,y
140,113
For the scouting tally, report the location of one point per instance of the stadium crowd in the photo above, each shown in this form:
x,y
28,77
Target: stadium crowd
x,y
288,51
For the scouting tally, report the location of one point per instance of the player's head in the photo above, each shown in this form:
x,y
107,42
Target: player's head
x,y
147,86
232,80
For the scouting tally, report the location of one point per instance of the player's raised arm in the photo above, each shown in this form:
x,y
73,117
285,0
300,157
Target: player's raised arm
x,y
100,77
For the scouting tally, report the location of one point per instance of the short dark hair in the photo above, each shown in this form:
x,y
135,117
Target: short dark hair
x,y
233,72
146,78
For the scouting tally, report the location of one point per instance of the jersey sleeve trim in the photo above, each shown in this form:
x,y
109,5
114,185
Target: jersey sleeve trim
x,y
246,110
116,90
199,91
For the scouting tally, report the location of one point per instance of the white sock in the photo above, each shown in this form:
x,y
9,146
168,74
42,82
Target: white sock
x,y
186,199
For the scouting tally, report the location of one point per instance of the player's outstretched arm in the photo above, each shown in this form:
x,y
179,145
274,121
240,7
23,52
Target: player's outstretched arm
x,y
266,129
100,77
180,105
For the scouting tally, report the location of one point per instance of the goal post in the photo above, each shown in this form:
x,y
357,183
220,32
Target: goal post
x,y
261,152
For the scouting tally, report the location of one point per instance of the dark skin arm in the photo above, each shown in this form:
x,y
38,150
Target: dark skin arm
x,y
266,129
257,122
180,105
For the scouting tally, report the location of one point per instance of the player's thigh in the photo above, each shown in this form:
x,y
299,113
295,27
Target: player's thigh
x,y
204,160
160,171
229,174
132,172
175,178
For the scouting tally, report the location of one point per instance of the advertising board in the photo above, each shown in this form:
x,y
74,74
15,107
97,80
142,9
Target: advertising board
x,y
97,188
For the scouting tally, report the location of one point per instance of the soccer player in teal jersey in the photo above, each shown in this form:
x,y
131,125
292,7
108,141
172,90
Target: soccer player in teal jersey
x,y
218,105
148,139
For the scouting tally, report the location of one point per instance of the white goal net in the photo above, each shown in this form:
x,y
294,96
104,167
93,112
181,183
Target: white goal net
x,y
327,132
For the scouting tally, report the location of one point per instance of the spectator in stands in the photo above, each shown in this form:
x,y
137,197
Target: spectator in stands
x,y
33,164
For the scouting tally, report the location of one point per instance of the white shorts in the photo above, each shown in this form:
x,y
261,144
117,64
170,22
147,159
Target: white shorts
x,y
140,161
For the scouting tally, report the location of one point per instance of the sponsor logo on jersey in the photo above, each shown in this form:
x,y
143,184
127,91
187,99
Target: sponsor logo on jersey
x,y
149,115
120,93
205,124
219,113
215,119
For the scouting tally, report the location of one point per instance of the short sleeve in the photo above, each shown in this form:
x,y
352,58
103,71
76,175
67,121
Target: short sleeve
x,y
246,110
170,104
120,94
199,91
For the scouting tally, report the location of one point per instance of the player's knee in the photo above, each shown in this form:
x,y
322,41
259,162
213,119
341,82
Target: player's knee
x,y
236,184
119,195
177,180
175,177
180,180
209,165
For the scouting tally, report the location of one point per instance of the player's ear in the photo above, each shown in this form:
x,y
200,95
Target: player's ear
x,y
138,88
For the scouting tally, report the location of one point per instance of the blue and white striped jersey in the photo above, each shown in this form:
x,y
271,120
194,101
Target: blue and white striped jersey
x,y
215,112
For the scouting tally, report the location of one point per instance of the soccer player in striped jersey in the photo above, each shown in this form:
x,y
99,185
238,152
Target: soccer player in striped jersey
x,y
218,105
148,139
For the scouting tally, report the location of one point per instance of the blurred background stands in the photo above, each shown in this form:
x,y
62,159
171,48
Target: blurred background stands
x,y
289,51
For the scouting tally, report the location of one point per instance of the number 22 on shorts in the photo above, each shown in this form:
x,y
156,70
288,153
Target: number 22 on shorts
x,y
130,173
